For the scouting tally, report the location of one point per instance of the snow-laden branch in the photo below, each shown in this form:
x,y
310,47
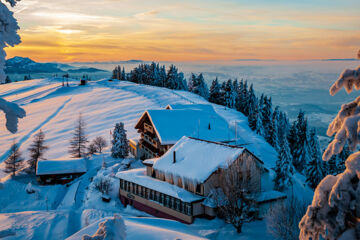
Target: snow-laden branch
x,y
12,113
348,79
335,209
345,125
8,37
8,33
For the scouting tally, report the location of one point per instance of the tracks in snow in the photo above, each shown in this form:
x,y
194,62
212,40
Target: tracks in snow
x,y
42,124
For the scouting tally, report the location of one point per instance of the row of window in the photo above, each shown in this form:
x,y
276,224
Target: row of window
x,y
165,200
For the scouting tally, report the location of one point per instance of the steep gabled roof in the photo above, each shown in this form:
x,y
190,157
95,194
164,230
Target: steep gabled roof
x,y
196,159
171,125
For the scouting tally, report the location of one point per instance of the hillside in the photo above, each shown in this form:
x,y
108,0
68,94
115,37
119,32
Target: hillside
x,y
54,109
21,65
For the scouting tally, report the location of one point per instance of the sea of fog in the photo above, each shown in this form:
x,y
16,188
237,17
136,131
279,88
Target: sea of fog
x,y
293,85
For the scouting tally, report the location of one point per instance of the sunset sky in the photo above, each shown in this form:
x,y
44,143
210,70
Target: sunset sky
x,y
164,30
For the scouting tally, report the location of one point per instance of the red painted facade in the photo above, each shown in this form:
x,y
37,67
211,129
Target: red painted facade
x,y
149,210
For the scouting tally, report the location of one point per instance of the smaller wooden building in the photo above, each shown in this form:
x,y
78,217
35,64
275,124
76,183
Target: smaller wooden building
x,y
60,171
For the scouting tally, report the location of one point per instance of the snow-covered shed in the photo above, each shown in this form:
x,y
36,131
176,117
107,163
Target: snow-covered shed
x,y
60,170
160,129
190,168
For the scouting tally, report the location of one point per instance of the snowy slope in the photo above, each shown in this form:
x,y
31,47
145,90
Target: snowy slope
x,y
54,109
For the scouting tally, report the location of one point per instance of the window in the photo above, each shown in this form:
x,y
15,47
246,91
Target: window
x,y
136,189
156,196
177,205
172,204
142,191
161,200
167,201
189,209
121,184
182,207
198,188
146,193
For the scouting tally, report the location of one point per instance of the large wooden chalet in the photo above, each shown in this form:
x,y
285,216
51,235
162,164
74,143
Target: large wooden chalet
x,y
161,129
178,185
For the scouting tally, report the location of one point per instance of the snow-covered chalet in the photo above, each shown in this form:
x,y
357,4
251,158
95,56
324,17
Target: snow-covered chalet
x,y
161,129
179,184
60,170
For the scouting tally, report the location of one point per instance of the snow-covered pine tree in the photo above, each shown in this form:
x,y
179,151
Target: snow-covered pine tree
x,y
335,209
14,160
314,169
120,144
253,109
239,97
283,126
198,86
78,142
272,133
222,100
123,74
259,123
230,95
214,93
284,168
37,149
267,116
171,77
302,151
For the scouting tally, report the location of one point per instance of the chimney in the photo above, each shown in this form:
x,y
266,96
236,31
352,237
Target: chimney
x,y
174,159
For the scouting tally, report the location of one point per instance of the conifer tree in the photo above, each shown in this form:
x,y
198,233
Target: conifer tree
x,y
14,160
222,100
78,143
123,74
120,144
37,149
314,169
272,136
302,152
230,96
267,116
198,86
284,168
214,94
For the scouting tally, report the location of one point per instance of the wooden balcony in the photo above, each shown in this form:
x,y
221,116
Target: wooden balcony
x,y
148,128
151,141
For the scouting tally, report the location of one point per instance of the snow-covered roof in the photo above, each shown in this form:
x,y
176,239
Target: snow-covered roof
x,y
196,159
205,107
139,176
171,125
59,166
269,196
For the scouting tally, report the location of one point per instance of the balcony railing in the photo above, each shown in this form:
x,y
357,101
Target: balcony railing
x,y
148,128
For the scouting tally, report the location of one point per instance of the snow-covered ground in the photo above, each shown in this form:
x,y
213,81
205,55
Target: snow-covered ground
x,y
57,212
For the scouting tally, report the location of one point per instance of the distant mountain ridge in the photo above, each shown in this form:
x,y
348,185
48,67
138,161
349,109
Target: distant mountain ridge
x,y
24,65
